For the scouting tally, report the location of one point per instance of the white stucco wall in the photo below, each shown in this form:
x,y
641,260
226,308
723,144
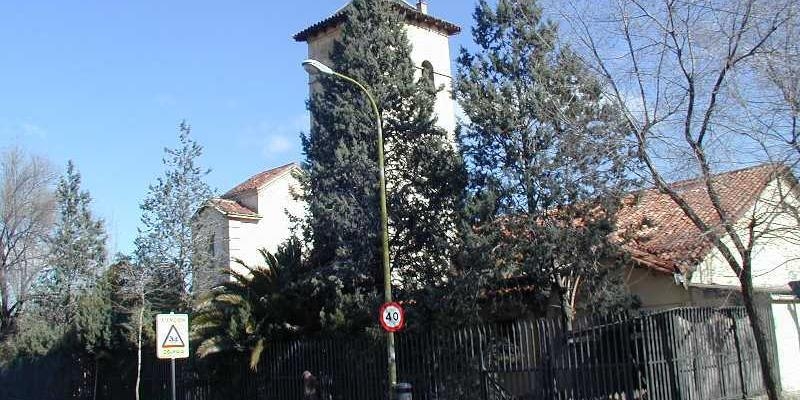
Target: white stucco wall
x,y
776,253
786,314
434,47
242,236
321,45
274,227
427,45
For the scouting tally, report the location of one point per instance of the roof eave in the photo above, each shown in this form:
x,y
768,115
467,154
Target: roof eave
x,y
289,171
413,15
242,216
226,214
780,290
234,193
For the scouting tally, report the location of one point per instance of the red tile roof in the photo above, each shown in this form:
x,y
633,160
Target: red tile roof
x,y
259,180
410,13
664,239
231,208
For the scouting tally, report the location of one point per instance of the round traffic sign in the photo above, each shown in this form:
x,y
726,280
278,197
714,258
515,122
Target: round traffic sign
x,y
392,317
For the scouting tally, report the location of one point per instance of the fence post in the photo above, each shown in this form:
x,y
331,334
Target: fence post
x,y
738,353
770,327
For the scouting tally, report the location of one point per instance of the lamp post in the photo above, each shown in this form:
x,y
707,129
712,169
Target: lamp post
x,y
314,66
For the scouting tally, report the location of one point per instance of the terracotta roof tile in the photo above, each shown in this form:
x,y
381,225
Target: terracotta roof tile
x,y
232,209
663,238
410,13
259,180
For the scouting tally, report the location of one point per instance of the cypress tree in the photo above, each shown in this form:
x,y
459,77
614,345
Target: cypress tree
x,y
423,170
77,248
548,155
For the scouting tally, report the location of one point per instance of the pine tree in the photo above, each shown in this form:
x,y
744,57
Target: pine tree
x,y
77,249
165,245
424,173
547,154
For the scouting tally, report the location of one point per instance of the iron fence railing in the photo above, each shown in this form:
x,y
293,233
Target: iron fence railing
x,y
686,353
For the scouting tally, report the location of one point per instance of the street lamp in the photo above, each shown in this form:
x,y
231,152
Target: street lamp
x,y
312,67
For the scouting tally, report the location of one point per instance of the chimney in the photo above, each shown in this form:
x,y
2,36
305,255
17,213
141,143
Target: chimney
x,y
422,6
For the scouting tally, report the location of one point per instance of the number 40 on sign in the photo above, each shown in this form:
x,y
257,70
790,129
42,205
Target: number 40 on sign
x,y
392,317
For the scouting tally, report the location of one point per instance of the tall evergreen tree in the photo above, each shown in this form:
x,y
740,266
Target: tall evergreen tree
x,y
547,154
165,245
423,170
77,248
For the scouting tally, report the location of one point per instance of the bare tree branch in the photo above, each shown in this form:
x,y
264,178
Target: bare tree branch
x,y
26,216
696,57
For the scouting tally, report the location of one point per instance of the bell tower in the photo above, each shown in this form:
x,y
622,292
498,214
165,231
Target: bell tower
x,y
430,49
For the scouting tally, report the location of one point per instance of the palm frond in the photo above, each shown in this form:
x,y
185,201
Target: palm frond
x,y
244,313
213,345
230,298
255,353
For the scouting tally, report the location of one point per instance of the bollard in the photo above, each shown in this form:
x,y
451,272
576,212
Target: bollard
x,y
402,391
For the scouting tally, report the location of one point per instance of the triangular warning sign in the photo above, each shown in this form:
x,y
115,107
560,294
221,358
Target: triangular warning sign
x,y
173,338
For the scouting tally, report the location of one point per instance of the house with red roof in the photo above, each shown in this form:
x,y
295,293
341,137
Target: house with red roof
x,y
674,265
253,215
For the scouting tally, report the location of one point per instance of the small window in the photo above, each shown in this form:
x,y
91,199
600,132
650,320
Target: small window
x,y
427,74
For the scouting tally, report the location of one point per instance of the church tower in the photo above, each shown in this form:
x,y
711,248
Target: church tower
x,y
430,50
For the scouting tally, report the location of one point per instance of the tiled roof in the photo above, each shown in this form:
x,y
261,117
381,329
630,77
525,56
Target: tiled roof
x,y
664,239
410,13
259,180
231,208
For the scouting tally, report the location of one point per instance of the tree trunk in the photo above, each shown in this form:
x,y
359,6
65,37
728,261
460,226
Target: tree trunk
x,y
759,334
139,351
94,392
567,314
5,309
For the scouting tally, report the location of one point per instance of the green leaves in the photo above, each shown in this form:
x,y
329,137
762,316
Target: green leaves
x,y
77,250
548,155
244,314
165,244
425,176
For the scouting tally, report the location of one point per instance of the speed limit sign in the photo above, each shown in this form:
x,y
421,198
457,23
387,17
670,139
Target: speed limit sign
x,y
392,317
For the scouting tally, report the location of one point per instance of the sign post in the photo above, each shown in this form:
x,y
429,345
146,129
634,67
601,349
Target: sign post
x,y
172,340
392,318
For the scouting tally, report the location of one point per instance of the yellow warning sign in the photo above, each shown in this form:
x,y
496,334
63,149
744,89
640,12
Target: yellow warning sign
x,y
172,336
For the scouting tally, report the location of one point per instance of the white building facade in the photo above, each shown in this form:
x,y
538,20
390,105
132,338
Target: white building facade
x,y
430,50
256,214
259,213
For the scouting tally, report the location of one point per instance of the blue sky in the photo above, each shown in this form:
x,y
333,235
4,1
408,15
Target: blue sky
x,y
105,84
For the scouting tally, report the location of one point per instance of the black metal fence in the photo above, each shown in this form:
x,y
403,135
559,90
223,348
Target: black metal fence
x,y
686,353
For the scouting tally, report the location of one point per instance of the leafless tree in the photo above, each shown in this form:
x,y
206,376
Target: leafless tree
x,y
27,206
775,116
138,295
705,84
